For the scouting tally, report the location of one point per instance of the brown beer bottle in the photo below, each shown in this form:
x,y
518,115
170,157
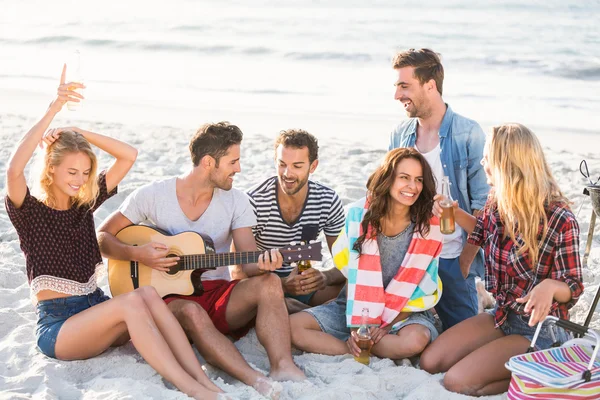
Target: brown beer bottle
x,y
304,265
364,339
447,220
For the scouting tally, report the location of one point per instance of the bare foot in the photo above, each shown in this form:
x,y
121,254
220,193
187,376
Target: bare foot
x,y
288,372
207,383
207,394
268,388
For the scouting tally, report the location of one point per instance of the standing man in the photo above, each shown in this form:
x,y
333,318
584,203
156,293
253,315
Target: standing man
x,y
203,201
453,146
289,208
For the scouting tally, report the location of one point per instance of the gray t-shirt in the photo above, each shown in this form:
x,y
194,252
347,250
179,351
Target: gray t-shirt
x,y
392,251
157,204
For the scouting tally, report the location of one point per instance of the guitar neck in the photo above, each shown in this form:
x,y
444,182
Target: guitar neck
x,y
210,261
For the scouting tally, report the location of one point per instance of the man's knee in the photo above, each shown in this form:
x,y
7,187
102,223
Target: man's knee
x,y
270,286
190,315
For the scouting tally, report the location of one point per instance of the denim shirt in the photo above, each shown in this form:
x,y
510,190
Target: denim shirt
x,y
461,143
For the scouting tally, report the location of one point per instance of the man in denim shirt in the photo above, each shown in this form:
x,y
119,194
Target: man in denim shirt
x,y
453,146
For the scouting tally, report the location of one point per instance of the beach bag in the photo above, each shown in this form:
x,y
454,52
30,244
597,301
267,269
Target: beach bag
x,y
568,372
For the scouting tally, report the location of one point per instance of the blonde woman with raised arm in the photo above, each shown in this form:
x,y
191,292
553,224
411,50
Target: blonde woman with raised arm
x,y
57,234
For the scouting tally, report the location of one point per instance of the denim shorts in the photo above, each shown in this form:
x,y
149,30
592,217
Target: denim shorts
x,y
331,317
517,324
52,314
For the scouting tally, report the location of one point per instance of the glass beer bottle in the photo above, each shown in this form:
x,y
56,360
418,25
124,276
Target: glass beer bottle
x,y
447,221
303,266
74,74
364,339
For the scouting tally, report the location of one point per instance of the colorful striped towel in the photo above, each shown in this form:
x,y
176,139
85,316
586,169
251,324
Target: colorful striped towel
x,y
416,286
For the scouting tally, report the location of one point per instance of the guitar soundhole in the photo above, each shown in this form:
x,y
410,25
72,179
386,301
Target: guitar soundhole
x,y
175,268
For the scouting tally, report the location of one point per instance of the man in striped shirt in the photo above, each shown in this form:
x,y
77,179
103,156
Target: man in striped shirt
x,y
289,208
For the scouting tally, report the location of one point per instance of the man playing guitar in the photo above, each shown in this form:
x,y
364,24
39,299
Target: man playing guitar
x,y
203,201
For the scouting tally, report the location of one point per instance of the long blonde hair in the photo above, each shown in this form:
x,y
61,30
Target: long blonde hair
x,y
523,185
69,142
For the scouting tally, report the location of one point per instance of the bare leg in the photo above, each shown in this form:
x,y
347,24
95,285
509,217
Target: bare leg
x,y
307,336
459,341
215,347
482,372
262,297
175,338
92,331
293,306
409,341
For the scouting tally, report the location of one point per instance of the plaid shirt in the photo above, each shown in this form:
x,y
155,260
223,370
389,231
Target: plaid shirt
x,y
510,276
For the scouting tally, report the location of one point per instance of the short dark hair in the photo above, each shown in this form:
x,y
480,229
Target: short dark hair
x,y
214,140
427,65
299,138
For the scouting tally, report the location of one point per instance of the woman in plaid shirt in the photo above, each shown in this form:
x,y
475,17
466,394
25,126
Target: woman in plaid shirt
x,y
530,239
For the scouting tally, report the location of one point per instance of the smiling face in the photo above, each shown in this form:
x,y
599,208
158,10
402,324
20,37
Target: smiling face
x,y
412,94
293,168
408,182
221,176
70,175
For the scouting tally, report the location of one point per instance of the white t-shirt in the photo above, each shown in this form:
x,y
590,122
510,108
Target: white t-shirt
x,y
453,244
157,204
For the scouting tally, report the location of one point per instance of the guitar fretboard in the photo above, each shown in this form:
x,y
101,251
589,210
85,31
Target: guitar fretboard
x,y
199,261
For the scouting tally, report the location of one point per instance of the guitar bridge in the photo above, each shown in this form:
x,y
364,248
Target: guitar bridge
x,y
134,273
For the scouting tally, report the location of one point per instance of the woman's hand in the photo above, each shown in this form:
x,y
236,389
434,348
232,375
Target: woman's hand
x,y
378,333
52,135
539,301
66,92
352,344
437,206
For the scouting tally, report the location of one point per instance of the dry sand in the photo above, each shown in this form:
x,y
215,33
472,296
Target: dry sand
x,y
122,374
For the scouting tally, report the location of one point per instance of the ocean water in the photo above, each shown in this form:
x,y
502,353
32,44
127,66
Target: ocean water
x,y
319,65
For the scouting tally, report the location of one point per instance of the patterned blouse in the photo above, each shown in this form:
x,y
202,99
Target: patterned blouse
x,y
510,276
60,246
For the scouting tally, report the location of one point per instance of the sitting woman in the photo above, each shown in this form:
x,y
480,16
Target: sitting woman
x,y
531,243
389,252
56,230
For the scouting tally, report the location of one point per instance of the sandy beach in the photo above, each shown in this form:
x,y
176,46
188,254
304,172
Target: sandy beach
x,y
122,374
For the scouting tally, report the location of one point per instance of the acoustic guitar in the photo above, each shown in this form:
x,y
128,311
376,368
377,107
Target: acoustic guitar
x,y
197,255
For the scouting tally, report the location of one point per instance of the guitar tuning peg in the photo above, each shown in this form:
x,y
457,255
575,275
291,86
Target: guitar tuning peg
x,y
302,243
309,247
292,244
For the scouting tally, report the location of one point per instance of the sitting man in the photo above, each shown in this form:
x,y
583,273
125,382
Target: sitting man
x,y
203,201
291,208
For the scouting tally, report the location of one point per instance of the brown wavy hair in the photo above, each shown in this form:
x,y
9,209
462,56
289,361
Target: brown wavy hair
x,y
380,200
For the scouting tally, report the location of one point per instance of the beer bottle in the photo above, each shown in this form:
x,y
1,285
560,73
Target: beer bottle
x,y
447,221
364,339
304,265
